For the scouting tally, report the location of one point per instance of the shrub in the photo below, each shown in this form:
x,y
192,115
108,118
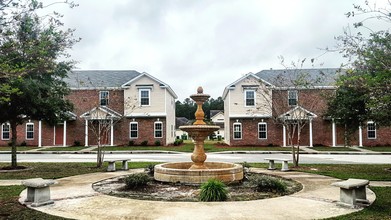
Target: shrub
x,y
178,142
150,169
23,143
131,143
144,143
213,190
219,138
76,143
137,180
268,184
158,143
10,144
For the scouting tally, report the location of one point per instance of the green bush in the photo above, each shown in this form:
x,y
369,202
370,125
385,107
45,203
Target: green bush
x,y
144,143
213,190
10,144
23,144
158,143
137,180
150,169
76,143
268,184
131,143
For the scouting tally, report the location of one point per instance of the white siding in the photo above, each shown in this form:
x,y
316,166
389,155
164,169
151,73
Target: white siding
x,y
170,119
157,99
237,99
227,128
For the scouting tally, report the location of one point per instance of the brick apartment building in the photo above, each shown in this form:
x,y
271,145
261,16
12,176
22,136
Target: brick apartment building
x,y
252,101
137,106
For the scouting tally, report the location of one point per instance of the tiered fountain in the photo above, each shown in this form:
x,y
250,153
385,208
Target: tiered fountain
x,y
198,171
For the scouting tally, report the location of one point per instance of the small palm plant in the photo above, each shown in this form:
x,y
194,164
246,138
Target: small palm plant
x,y
213,190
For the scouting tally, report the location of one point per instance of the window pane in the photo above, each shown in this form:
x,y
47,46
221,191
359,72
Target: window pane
x,y
5,132
104,98
371,128
133,130
144,97
158,130
262,128
237,131
292,97
30,131
250,98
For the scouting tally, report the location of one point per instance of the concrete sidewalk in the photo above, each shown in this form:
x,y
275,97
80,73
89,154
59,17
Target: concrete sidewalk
x,y
75,198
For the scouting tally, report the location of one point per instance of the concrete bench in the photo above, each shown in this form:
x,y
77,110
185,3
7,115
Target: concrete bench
x,y
284,163
38,191
353,191
111,166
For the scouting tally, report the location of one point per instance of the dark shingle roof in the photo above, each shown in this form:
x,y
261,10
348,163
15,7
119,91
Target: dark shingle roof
x,y
284,77
99,78
214,112
179,121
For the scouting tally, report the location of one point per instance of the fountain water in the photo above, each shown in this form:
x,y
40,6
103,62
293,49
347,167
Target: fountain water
x,y
198,171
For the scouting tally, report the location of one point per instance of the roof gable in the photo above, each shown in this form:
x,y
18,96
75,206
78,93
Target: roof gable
x,y
247,76
101,113
297,113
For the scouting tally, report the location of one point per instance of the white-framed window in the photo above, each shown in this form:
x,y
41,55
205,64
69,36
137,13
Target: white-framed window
x,y
249,98
371,130
5,131
158,129
133,130
145,97
104,98
262,130
237,131
29,131
292,97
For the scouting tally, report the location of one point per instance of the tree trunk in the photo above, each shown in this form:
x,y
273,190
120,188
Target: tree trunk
x,y
14,162
298,146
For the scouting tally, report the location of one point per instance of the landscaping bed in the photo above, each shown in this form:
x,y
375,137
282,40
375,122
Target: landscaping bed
x,y
158,191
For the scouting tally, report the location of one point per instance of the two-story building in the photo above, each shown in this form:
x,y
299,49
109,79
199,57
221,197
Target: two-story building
x,y
255,103
136,107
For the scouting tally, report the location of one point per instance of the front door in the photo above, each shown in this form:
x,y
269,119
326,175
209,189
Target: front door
x,y
59,135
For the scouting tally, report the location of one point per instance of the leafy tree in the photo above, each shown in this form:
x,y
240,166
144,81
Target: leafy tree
x,y
31,72
365,92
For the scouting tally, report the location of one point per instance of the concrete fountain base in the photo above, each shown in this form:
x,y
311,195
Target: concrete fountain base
x,y
180,172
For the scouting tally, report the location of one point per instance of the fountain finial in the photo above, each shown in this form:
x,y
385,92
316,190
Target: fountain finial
x,y
200,90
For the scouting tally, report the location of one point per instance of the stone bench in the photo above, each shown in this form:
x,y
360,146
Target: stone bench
x,y
38,191
284,163
111,166
353,191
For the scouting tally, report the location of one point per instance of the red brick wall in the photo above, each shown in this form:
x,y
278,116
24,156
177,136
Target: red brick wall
x,y
85,100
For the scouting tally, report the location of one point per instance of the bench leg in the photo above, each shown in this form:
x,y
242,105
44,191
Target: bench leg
x,y
111,166
38,196
125,165
284,166
271,165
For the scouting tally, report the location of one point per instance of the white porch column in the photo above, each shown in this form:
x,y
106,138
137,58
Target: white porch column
x,y
283,136
64,140
39,133
334,133
86,134
311,143
111,133
360,136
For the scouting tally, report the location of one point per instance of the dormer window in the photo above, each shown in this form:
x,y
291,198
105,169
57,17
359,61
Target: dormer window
x,y
249,96
145,97
104,98
292,97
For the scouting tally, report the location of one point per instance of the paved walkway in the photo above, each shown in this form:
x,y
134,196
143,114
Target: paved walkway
x,y
75,198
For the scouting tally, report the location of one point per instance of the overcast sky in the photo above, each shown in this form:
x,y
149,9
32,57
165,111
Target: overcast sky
x,y
212,43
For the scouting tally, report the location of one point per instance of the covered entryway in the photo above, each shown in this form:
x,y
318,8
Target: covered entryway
x,y
293,121
99,125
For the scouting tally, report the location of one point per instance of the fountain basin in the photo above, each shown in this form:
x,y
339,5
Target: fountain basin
x,y
180,173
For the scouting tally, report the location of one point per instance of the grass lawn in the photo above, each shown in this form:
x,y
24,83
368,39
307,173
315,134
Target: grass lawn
x,y
71,148
333,149
378,149
11,209
3,148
